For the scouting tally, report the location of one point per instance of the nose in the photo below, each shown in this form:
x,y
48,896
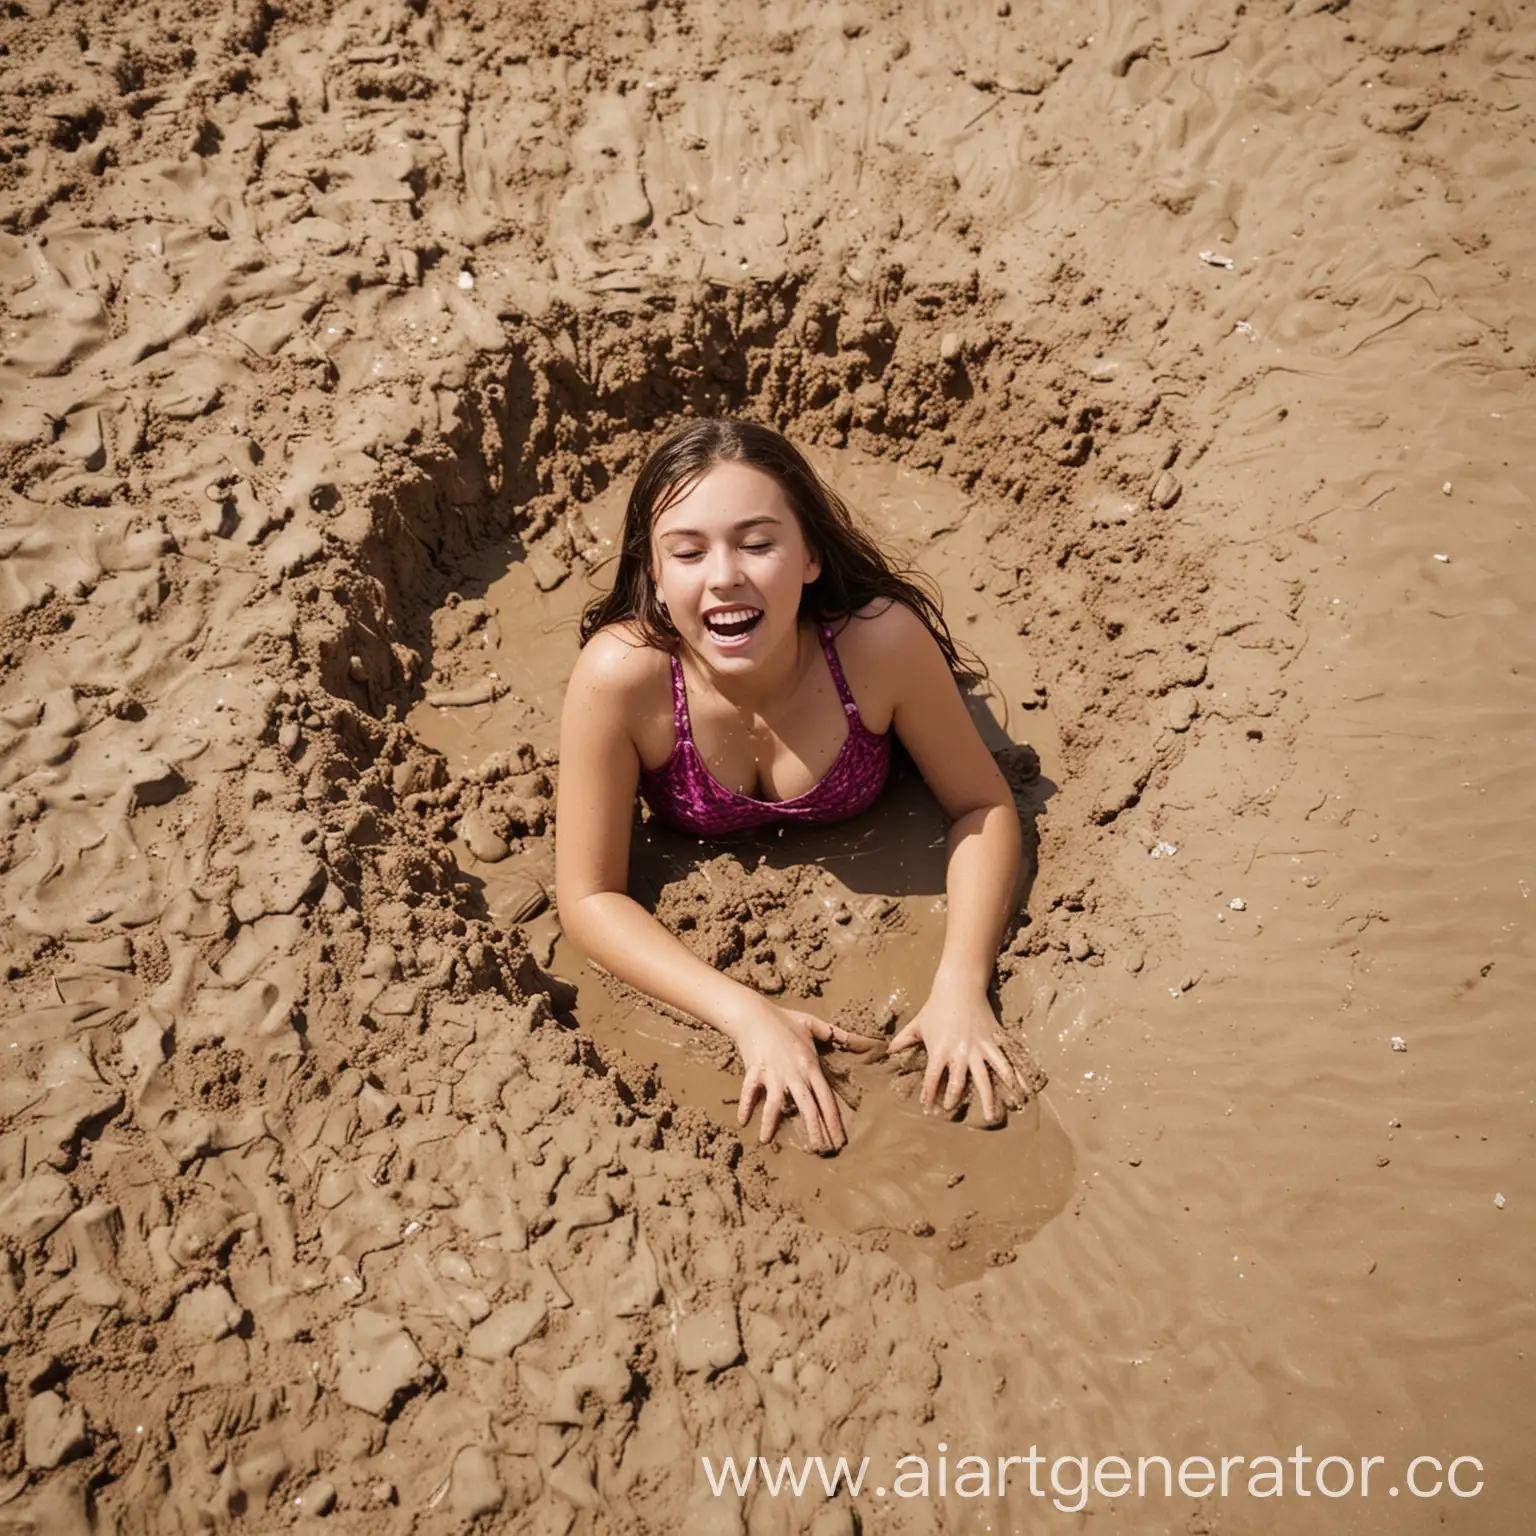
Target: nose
x,y
724,568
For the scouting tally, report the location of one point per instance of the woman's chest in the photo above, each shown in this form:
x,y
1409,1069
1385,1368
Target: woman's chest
x,y
777,758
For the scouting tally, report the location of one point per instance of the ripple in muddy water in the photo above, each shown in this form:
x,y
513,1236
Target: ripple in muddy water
x,y
861,905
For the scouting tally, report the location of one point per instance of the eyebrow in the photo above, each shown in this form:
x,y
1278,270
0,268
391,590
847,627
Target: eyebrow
x,y
745,523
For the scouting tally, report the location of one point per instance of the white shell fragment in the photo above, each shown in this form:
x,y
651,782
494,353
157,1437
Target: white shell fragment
x,y
1499,1201
1237,904
1162,850
1211,259
1398,1043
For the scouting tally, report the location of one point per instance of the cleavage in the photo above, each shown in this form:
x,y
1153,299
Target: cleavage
x,y
764,745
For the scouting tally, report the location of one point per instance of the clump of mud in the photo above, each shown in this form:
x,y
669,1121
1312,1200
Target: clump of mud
x,y
772,929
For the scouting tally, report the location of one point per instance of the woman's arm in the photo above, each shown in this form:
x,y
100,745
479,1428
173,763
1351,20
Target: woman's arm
x,y
957,1023
599,773
981,881
595,807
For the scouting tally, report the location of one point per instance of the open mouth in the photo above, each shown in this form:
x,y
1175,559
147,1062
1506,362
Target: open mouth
x,y
733,623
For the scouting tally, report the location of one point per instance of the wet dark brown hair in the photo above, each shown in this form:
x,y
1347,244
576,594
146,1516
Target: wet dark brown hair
x,y
854,570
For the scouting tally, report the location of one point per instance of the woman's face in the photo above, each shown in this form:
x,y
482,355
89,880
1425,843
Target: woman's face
x,y
729,560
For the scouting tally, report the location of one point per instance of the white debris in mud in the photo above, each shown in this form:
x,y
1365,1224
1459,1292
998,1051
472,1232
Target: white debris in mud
x,y
1398,1043
1211,259
1500,1202
1237,904
1443,559
466,280
1162,850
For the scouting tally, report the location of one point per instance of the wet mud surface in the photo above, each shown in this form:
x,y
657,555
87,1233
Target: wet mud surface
x,y
1188,347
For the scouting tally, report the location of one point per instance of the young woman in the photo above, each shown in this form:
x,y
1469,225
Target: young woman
x,y
748,668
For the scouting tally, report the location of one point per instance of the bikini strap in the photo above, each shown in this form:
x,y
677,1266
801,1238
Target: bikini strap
x,y
836,668
680,721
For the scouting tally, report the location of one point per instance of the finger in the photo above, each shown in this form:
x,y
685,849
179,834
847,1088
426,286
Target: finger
x,y
904,1039
810,1112
983,1080
1000,1064
836,1035
830,1117
849,1040
931,1076
773,1110
749,1092
955,1087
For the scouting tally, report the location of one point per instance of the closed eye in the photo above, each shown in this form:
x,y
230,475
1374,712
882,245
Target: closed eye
x,y
688,555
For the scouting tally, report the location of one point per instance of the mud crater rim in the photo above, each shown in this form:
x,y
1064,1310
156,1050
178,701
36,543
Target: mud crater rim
x,y
552,526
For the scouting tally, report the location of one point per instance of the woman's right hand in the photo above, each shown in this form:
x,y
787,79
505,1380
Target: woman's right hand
x,y
778,1047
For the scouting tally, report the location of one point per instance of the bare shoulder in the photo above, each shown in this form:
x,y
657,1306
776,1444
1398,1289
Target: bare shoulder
x,y
884,647
616,665
620,689
884,632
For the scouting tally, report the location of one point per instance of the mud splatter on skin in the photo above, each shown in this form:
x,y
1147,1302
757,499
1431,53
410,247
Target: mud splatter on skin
x,y
309,1201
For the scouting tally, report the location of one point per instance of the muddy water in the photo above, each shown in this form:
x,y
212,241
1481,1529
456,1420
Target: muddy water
x,y
946,1199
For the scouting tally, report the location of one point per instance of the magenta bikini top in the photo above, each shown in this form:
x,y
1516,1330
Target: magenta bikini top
x,y
685,793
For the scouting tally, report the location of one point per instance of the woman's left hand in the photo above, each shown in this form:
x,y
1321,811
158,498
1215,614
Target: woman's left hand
x,y
964,1041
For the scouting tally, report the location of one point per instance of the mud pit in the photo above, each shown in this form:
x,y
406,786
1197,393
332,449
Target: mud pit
x,y
312,1208
849,921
